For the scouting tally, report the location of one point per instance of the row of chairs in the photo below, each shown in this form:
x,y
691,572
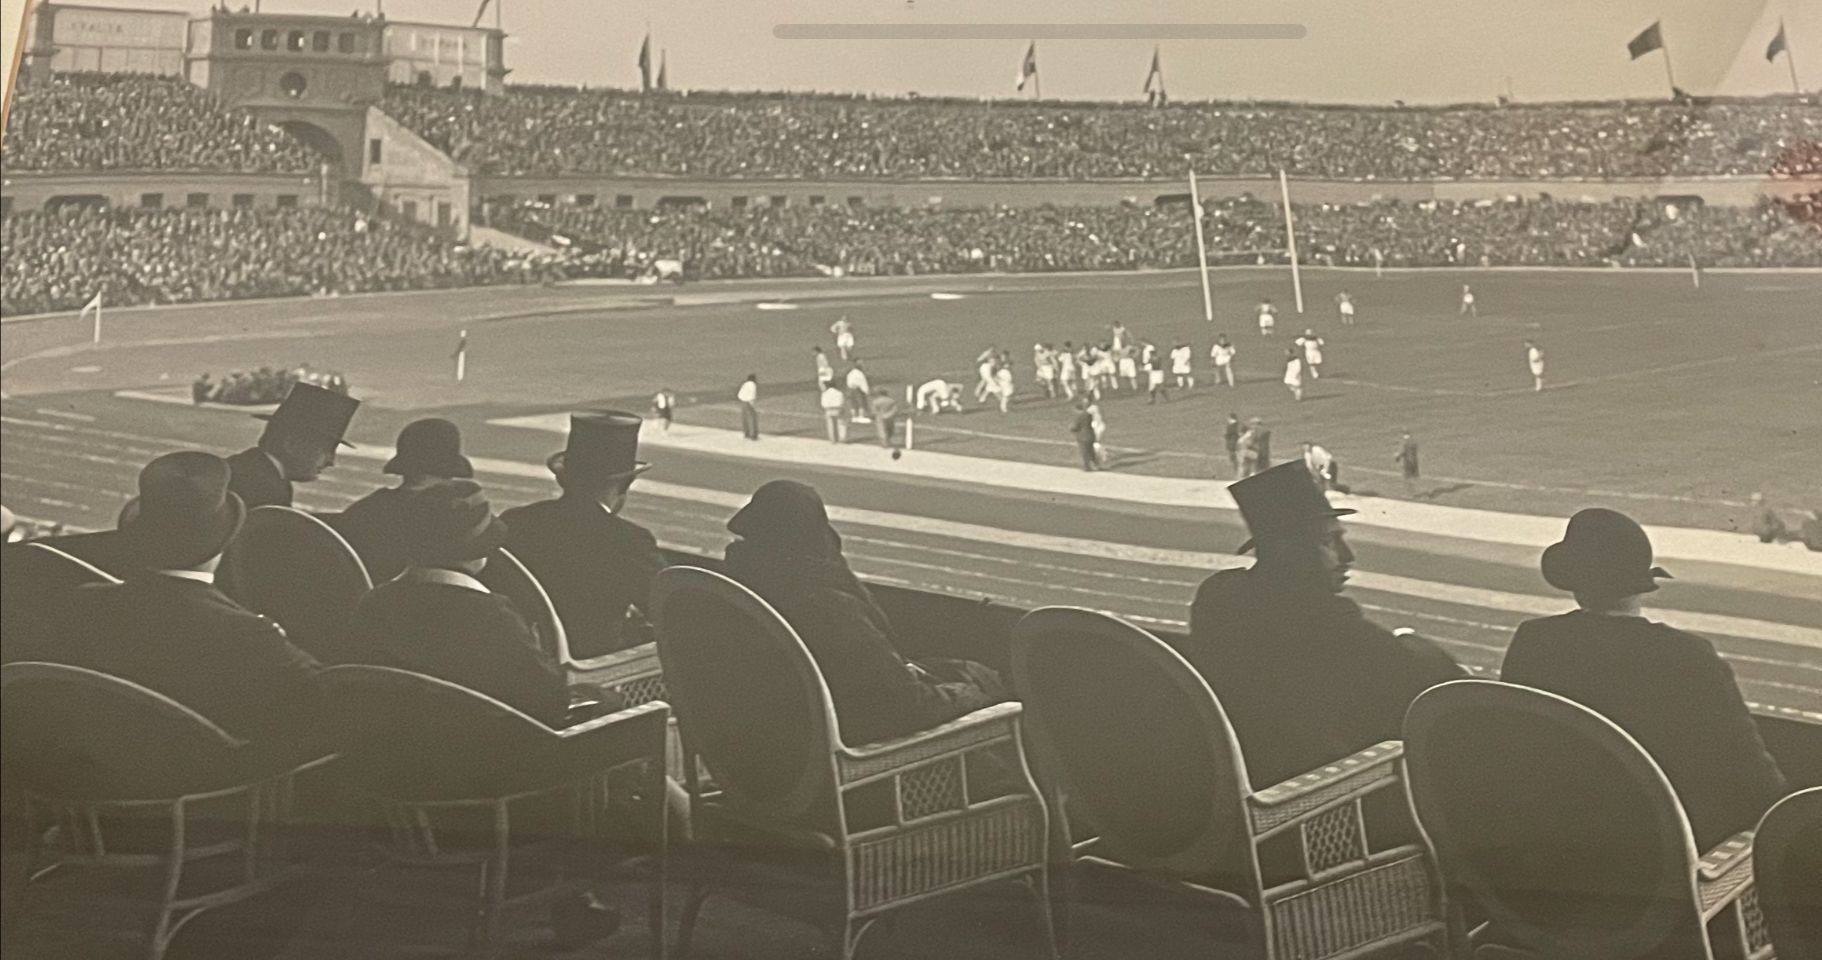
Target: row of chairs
x,y
1136,771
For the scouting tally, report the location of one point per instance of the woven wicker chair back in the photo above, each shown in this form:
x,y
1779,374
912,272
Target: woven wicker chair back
x,y
34,577
78,735
1787,866
747,695
295,569
507,576
1555,821
416,738
1137,743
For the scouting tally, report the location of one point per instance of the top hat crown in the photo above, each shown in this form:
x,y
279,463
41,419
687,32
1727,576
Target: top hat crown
x,y
312,410
603,445
431,447
1281,500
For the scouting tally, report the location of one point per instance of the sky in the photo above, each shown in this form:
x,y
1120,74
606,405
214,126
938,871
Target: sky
x,y
1419,51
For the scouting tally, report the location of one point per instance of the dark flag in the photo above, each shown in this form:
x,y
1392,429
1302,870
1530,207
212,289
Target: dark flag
x,y
1154,81
1778,45
1028,68
664,70
1649,39
645,64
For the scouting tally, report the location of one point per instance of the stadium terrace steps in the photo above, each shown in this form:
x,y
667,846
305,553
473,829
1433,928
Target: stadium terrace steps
x,y
480,236
862,453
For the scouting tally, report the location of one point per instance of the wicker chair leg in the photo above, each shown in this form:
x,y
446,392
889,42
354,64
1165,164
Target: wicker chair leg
x,y
1040,891
661,818
163,929
686,927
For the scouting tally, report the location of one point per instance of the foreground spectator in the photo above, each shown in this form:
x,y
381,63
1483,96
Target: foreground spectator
x,y
596,565
297,445
1667,688
167,627
790,555
1304,676
428,452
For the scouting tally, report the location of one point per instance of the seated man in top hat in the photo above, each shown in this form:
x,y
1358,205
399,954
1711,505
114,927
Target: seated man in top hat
x,y
1667,688
594,563
168,628
429,451
1304,676
437,618
297,445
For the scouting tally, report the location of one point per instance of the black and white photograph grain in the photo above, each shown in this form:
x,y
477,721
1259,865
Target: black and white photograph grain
x,y
796,480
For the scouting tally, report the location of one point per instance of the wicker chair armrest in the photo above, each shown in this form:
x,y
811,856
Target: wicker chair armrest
x,y
1723,874
584,729
988,725
1290,801
616,667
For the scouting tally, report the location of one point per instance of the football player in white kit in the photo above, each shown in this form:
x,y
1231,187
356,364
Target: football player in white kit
x,y
844,337
1268,318
1312,352
1534,357
1344,302
1182,365
1293,373
1223,354
1468,309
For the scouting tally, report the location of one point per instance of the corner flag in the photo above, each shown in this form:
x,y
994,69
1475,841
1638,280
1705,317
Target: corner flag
x,y
1028,68
94,304
461,358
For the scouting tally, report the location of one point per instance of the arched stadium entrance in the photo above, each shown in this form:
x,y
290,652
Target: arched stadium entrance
x,y
322,141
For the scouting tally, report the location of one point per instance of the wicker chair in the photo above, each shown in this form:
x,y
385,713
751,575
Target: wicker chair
x,y
106,757
634,673
1565,834
439,758
755,711
297,570
32,575
1787,863
1148,769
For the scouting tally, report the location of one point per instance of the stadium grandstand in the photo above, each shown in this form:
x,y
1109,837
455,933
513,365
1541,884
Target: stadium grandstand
x,y
422,661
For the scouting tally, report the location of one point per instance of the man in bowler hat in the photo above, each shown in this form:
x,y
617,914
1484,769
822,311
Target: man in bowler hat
x,y
297,445
168,628
1304,676
1667,688
428,452
594,563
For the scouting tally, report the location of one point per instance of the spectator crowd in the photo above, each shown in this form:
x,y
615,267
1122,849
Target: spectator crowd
x,y
262,386
96,121
58,260
562,130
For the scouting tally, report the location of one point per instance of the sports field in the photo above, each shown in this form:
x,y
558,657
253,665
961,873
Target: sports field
x,y
1672,402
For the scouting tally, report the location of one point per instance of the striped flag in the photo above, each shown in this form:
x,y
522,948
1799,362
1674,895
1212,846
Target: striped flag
x,y
1649,39
94,306
1154,81
1779,44
1028,68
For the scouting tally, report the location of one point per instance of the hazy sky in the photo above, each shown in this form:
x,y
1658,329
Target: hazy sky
x,y
1378,51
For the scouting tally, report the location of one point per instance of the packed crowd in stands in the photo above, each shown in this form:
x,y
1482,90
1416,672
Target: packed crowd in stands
x,y
867,241
561,130
92,121
262,386
59,259
182,619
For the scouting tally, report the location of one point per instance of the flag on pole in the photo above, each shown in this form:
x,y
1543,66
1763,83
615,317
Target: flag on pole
x,y
1649,39
461,357
664,70
1779,44
1154,81
645,64
1028,68
94,304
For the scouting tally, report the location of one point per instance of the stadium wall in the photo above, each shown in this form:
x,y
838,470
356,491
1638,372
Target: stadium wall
x,y
35,191
648,192
412,178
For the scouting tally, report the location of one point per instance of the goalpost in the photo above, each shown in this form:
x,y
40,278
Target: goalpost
x,y
1290,241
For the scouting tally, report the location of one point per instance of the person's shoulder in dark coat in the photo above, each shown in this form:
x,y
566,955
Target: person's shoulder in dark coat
x,y
592,563
1673,693
190,642
1303,675
253,475
374,526
467,637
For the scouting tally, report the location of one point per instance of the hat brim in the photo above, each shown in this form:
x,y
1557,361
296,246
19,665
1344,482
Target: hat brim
x,y
556,460
268,418
457,468
483,543
160,544
1562,571
1329,514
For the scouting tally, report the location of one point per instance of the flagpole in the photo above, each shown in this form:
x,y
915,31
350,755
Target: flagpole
x,y
1195,209
1790,60
1290,236
98,318
461,370
1669,75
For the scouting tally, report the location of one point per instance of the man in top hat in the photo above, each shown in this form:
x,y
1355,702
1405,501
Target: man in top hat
x,y
168,628
594,563
1304,676
1667,688
297,446
429,451
435,617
